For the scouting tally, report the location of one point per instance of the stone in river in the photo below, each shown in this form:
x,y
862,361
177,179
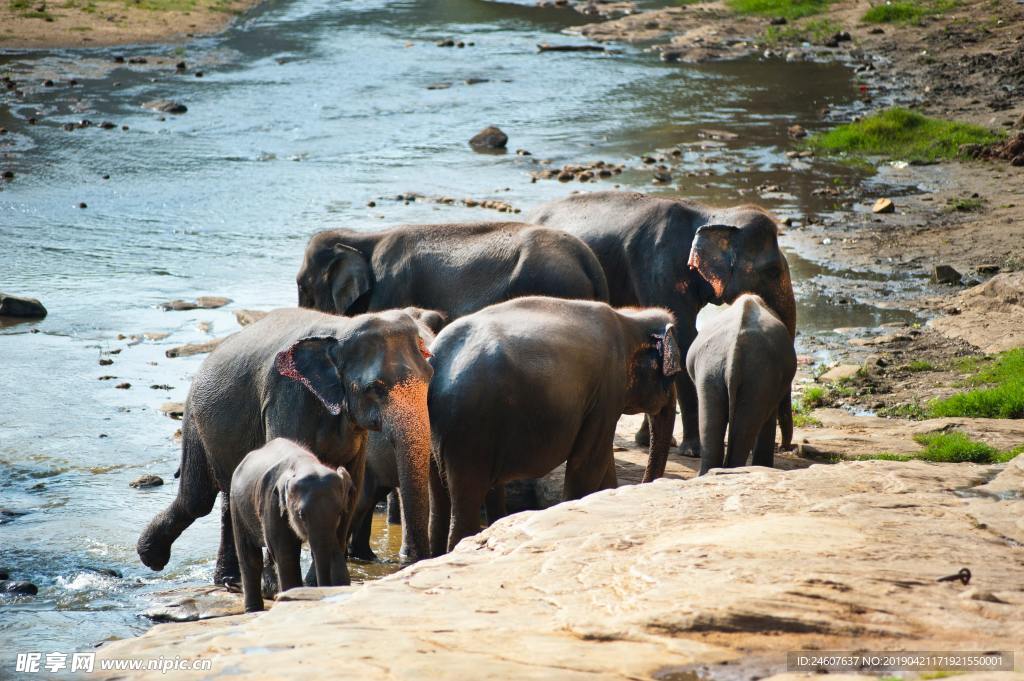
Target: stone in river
x,y
247,317
193,348
16,588
147,480
195,603
200,303
17,306
166,106
490,137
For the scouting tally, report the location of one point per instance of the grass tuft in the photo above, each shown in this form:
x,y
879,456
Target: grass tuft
x,y
920,365
951,447
790,9
1001,394
901,133
907,11
815,31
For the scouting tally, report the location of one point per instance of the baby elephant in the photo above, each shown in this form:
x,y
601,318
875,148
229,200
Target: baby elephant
x,y
742,367
282,496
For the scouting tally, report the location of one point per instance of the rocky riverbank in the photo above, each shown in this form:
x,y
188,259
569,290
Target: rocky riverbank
x,y
710,578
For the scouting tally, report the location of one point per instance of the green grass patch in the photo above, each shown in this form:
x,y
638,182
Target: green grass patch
x,y
951,447
904,134
914,412
1001,394
813,397
906,11
790,9
965,205
815,31
920,365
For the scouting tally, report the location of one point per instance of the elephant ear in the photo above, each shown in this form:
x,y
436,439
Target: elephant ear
x,y
668,350
712,255
309,362
281,492
350,277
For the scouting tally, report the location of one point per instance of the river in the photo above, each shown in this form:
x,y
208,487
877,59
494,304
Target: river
x,y
307,111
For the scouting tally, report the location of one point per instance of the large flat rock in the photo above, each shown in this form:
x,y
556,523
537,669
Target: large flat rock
x,y
652,581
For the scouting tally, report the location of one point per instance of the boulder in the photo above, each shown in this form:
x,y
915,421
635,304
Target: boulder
x,y
840,372
200,303
989,316
194,603
946,274
883,206
23,308
16,588
193,348
489,138
661,580
165,106
247,317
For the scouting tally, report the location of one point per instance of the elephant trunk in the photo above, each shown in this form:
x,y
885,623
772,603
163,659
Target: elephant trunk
x,y
661,424
323,545
407,425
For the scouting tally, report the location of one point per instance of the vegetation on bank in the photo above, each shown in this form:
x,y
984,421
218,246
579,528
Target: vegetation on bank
x,y
790,9
907,11
815,31
902,134
999,392
952,447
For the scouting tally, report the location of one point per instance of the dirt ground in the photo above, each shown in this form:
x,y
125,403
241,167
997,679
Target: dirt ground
x,y
95,23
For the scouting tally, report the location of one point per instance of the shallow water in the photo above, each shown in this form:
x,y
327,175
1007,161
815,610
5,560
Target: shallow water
x,y
306,111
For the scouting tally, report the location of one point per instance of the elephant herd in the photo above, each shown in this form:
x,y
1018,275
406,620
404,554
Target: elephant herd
x,y
447,360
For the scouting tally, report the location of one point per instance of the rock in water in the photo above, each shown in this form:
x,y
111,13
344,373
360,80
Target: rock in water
x,y
147,480
14,588
193,348
946,274
25,308
490,137
166,106
883,206
200,303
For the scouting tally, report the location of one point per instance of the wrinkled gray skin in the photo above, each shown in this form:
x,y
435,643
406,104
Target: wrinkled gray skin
x,y
282,497
320,380
525,385
743,366
455,269
663,253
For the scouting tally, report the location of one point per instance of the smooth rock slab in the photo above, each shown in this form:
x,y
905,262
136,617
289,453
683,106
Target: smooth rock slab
x,y
645,580
195,603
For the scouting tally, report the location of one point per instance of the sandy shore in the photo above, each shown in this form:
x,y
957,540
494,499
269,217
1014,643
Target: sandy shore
x,y
27,24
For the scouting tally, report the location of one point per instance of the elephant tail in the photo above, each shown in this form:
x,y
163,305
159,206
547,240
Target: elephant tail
x,y
197,492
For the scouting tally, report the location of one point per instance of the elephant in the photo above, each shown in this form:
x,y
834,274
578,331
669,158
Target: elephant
x,y
320,380
743,367
661,252
455,269
525,385
282,496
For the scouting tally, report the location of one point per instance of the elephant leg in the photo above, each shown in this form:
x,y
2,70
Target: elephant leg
x,y
394,508
270,583
440,511
286,548
786,421
197,492
359,544
764,447
643,434
226,571
744,428
251,563
495,504
713,418
587,467
610,480
686,394
467,494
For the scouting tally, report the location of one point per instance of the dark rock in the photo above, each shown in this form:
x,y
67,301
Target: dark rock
x,y
779,21
105,363
138,60
107,125
878,30
68,126
14,588
16,306
945,274
181,66
7,515
548,47
842,37
47,83
988,269
4,574
477,81
199,74
8,175
83,204
490,137
106,572
123,386
165,106
447,42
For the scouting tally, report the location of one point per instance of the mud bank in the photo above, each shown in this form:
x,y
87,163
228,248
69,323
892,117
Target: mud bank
x,y
96,23
716,576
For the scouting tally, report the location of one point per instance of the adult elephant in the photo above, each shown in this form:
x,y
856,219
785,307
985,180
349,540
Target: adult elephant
x,y
528,384
320,380
456,269
680,256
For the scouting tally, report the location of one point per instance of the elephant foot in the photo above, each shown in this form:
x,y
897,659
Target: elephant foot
x,y
226,572
364,554
690,448
643,436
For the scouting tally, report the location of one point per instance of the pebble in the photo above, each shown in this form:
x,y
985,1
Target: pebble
x,y
106,362
946,274
123,386
83,204
147,480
